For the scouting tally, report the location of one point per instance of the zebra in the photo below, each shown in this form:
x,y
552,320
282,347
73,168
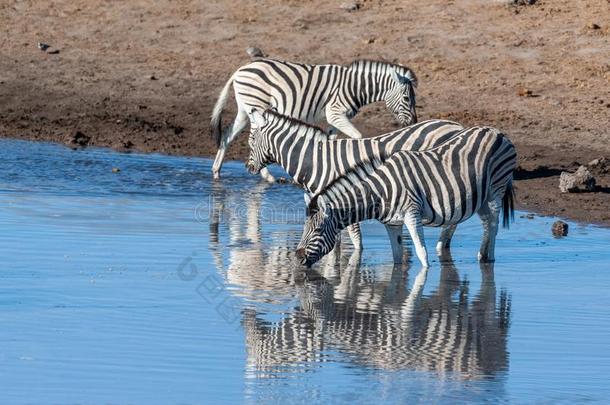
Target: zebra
x,y
443,186
314,161
312,93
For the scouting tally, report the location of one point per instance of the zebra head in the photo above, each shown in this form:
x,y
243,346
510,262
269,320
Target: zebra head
x,y
400,97
319,234
259,148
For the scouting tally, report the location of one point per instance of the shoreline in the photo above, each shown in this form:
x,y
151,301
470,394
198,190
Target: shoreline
x,y
528,196
146,78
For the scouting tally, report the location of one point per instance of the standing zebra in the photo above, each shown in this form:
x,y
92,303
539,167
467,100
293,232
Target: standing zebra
x,y
471,173
312,93
314,161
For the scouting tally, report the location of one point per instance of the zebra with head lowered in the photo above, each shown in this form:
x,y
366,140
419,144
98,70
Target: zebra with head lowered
x,y
314,161
311,93
471,173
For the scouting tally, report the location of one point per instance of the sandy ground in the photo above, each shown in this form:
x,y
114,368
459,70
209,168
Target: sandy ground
x,y
144,75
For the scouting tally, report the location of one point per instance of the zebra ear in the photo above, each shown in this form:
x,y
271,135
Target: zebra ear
x,y
257,118
409,77
396,77
313,207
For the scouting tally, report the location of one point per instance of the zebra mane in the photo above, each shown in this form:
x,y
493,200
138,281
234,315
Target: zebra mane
x,y
378,64
355,175
295,122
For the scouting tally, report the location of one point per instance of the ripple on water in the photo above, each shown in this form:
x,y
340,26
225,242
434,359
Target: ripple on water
x,y
156,285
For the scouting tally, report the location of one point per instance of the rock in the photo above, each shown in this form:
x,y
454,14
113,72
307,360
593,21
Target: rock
x,y
599,162
593,26
255,52
559,229
520,2
43,47
349,6
523,92
80,139
581,180
116,170
152,77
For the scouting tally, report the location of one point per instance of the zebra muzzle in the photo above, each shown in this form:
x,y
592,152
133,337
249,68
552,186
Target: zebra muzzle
x,y
251,169
302,257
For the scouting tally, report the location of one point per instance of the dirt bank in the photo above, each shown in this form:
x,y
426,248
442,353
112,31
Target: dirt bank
x,y
144,75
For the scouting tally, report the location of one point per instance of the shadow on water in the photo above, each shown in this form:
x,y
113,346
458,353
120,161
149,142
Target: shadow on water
x,y
372,316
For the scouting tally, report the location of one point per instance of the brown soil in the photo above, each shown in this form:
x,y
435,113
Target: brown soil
x,y
143,75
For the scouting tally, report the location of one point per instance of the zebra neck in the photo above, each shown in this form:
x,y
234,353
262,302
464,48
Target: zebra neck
x,y
360,206
345,155
367,86
292,148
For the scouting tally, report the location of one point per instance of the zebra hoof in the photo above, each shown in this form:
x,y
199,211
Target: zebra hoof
x,y
216,176
484,258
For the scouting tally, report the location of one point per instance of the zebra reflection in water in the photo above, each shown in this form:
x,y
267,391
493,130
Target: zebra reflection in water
x,y
251,265
263,268
382,324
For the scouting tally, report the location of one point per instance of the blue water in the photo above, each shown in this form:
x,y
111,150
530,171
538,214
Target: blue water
x,y
154,285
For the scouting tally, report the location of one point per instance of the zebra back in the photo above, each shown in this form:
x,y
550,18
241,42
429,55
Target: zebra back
x,y
314,161
449,182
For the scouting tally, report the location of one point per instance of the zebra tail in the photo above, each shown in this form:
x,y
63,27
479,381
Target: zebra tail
x,y
216,121
508,205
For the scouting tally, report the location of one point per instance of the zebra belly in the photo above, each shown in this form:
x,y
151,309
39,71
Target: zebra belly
x,y
435,216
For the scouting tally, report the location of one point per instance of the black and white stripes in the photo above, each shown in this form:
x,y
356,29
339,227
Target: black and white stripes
x,y
312,93
314,161
471,173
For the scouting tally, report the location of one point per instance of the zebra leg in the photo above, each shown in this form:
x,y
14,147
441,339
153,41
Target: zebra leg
x,y
240,122
416,230
342,123
355,236
395,235
444,240
489,214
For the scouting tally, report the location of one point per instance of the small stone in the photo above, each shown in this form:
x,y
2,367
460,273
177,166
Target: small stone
x,y
116,170
255,52
559,229
520,2
153,77
350,6
580,181
593,26
524,92
80,139
598,162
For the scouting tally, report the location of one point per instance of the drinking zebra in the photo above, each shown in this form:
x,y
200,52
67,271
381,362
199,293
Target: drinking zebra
x,y
471,173
314,161
312,93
